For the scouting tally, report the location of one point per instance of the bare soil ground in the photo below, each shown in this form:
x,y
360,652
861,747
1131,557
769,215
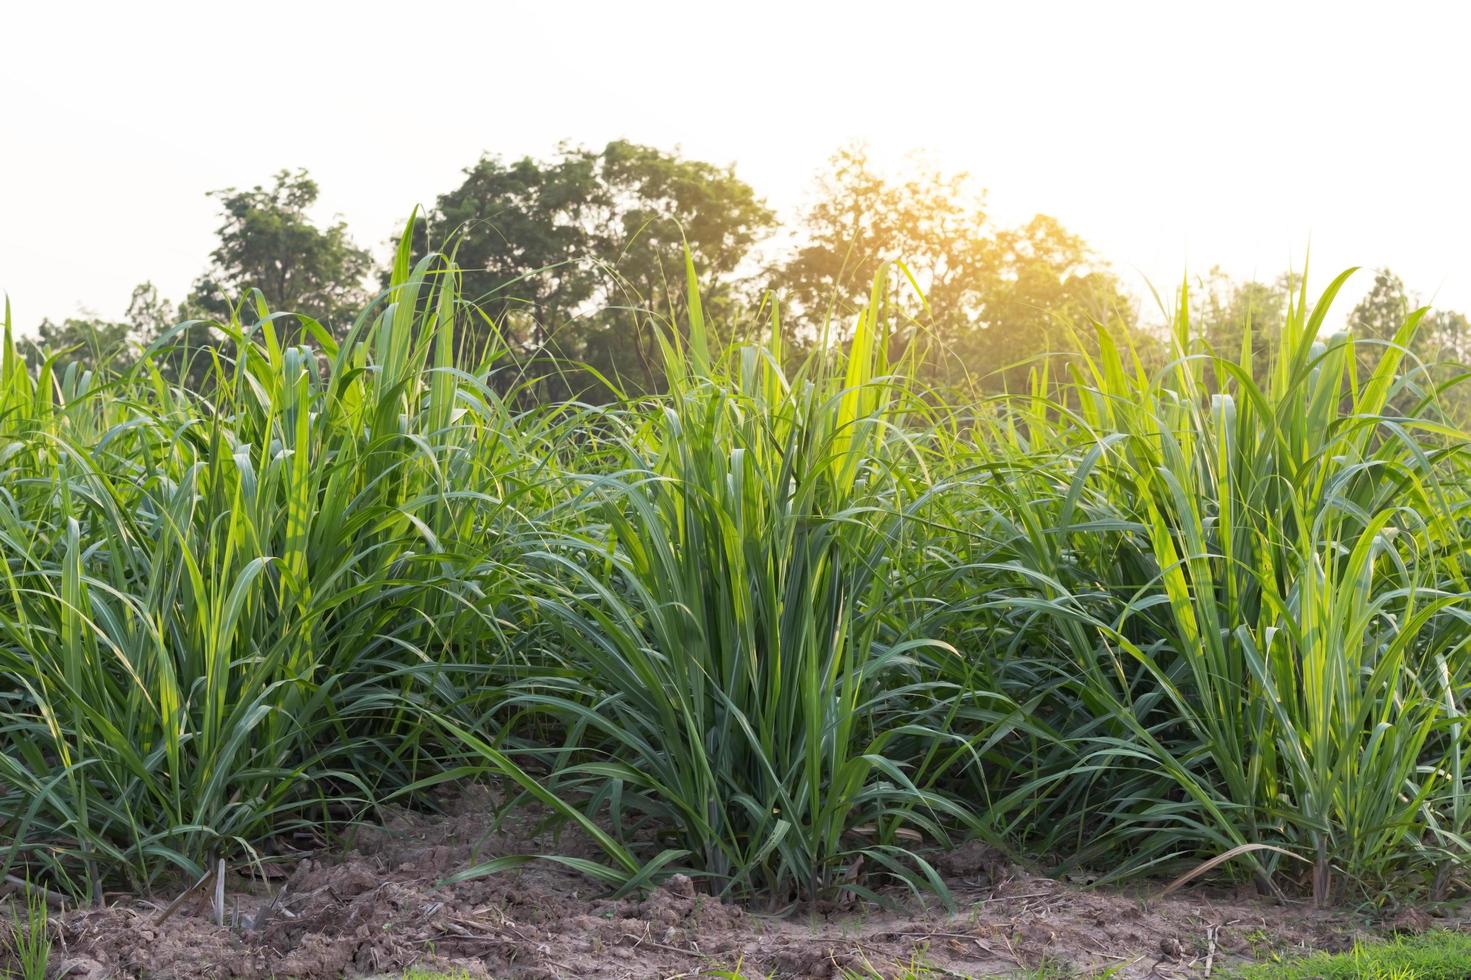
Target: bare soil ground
x,y
378,909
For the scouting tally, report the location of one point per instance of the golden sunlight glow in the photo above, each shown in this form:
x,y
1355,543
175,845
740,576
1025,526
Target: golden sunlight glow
x,y
1165,134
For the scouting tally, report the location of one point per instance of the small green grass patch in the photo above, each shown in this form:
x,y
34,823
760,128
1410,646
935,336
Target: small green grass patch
x,y
1438,955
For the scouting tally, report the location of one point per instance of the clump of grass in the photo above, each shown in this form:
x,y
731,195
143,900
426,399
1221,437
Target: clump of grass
x,y
30,936
218,610
742,655
1437,955
418,973
1246,600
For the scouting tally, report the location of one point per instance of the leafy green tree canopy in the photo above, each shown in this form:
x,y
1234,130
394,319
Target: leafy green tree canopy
x,y
1440,349
1442,336
571,255
267,241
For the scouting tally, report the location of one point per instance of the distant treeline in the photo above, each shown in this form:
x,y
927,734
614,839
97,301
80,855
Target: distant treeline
x,y
577,260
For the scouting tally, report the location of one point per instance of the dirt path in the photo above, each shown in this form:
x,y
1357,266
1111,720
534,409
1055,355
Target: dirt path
x,y
378,909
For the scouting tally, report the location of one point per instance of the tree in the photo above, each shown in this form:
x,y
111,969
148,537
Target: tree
x,y
1379,315
1039,299
149,314
1437,354
662,205
523,233
997,302
932,222
268,242
94,343
570,256
87,341
1447,337
1222,310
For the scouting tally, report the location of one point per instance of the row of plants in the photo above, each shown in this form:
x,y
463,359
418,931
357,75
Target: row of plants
x,y
789,625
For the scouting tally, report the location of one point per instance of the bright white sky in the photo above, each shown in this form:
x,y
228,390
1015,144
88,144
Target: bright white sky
x,y
1170,135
